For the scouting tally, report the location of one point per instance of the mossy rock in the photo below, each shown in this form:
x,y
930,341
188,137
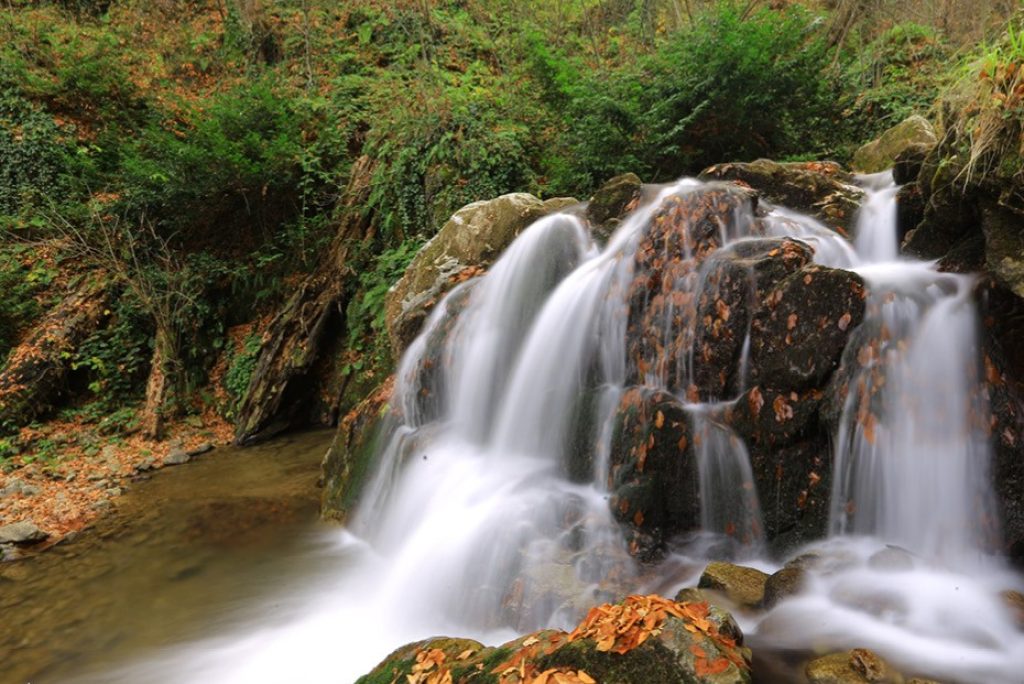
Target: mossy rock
x,y
612,202
859,666
349,461
783,584
473,238
680,647
881,154
742,585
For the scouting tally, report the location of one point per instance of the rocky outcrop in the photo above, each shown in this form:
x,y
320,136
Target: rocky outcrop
x,y
820,189
468,243
283,382
36,372
643,640
881,154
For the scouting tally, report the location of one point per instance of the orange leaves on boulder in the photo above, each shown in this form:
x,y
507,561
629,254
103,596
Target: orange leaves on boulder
x,y
430,668
622,627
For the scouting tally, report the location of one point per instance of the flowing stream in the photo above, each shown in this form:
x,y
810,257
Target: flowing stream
x,y
481,522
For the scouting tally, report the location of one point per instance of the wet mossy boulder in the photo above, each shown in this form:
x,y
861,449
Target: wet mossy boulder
x,y
800,332
642,640
612,201
794,487
653,472
470,241
732,281
742,585
349,461
782,584
882,153
820,189
859,666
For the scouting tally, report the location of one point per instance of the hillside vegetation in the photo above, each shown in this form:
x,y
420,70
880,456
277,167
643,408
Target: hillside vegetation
x,y
192,156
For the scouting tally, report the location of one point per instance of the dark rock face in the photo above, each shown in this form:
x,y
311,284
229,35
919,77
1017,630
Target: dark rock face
x,y
653,474
664,295
349,461
800,333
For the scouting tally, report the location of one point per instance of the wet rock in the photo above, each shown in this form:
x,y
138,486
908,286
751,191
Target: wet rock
x,y
742,585
349,460
770,417
793,482
798,336
881,154
664,294
203,448
652,475
612,202
783,584
733,280
908,163
852,667
721,617
910,206
472,239
21,533
892,558
820,189
176,456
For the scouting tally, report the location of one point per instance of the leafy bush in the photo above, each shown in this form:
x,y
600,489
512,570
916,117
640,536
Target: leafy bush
x,y
900,73
728,87
239,373
33,156
115,359
21,282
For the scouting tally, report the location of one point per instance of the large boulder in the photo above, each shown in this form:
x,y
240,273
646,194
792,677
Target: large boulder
x,y
820,189
859,666
469,242
742,585
642,640
881,154
798,336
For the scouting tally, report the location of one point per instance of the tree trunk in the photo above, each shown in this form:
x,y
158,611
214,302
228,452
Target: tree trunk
x,y
281,384
35,374
159,387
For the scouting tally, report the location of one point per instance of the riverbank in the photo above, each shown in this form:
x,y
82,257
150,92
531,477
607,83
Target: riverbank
x,y
172,558
75,473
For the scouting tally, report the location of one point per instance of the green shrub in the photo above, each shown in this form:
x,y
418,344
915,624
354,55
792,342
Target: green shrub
x,y
34,156
239,373
22,280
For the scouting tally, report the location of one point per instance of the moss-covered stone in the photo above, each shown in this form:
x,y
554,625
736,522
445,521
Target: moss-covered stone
x,y
349,461
859,666
881,154
612,201
742,585
472,238
783,584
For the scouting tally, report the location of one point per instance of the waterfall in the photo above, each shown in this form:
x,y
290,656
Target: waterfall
x,y
488,514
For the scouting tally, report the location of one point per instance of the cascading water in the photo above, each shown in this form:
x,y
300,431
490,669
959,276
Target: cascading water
x,y
489,512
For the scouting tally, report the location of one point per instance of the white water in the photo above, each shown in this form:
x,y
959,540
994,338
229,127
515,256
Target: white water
x,y
474,526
